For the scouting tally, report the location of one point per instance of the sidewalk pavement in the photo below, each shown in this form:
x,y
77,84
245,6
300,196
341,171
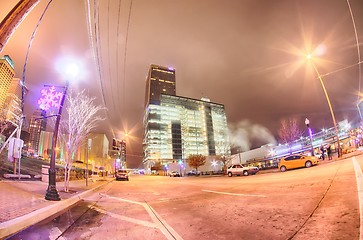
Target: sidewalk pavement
x,y
22,203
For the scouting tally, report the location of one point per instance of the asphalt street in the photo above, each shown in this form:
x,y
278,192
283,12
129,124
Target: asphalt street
x,y
321,202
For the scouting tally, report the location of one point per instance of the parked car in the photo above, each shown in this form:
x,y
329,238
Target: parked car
x,y
320,156
237,169
122,174
297,161
193,172
174,174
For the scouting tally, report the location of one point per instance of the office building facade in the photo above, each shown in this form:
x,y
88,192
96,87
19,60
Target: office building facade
x,y
7,73
176,127
37,124
160,80
119,152
13,104
97,155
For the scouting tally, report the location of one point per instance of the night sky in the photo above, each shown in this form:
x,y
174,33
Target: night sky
x,y
246,54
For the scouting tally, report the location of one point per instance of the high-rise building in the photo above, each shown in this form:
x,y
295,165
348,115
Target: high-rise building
x,y
160,80
123,152
13,104
119,152
7,73
176,127
38,123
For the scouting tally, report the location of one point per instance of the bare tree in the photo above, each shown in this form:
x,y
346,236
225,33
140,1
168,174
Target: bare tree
x,y
196,160
225,160
83,116
224,150
289,130
4,123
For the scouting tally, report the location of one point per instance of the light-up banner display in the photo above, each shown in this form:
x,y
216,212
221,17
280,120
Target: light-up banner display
x,y
50,98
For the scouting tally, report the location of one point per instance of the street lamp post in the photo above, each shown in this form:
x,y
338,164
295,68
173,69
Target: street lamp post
x,y
52,193
307,122
89,144
309,56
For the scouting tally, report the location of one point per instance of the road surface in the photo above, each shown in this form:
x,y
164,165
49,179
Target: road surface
x,y
320,202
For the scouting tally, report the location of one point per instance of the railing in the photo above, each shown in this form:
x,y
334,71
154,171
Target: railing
x,y
326,136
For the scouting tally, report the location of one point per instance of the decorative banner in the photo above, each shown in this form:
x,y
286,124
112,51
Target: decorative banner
x,y
50,98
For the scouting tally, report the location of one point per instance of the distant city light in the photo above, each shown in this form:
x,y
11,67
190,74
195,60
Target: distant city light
x,y
271,152
317,142
296,147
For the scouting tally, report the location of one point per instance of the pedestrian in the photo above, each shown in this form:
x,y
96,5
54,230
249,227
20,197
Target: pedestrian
x,y
322,152
328,150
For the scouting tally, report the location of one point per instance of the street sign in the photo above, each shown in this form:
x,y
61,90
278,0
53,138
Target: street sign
x,y
15,146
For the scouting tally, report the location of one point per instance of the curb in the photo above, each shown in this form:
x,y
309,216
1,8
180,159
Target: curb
x,y
21,176
18,224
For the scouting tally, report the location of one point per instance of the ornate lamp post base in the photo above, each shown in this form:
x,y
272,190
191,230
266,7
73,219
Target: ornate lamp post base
x,y
52,193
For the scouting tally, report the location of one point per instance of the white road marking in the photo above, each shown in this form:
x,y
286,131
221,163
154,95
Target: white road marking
x,y
55,233
160,223
127,219
235,194
165,227
164,199
359,177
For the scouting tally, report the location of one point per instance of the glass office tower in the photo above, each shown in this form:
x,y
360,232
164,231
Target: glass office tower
x,y
7,73
38,123
176,127
160,80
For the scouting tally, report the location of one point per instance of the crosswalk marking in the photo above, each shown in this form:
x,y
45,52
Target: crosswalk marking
x,y
158,222
235,194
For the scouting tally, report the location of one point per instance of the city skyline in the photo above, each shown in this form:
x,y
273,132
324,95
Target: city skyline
x,y
244,54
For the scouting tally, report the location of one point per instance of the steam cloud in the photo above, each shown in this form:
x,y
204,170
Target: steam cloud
x,y
244,133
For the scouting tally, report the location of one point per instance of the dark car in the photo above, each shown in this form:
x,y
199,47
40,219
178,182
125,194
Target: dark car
x,y
122,174
193,173
174,174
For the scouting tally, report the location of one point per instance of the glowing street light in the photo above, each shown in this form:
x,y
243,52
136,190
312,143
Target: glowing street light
x,y
310,58
70,72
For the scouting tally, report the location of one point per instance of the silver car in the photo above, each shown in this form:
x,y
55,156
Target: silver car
x,y
122,174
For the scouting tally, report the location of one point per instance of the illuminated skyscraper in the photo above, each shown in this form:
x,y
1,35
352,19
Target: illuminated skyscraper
x,y
119,149
176,127
12,107
7,73
37,124
160,80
